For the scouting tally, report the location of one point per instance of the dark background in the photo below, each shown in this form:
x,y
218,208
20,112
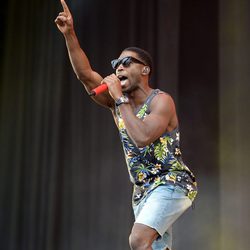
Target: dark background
x,y
63,179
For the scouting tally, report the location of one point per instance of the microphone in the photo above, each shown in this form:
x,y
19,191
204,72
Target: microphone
x,y
98,90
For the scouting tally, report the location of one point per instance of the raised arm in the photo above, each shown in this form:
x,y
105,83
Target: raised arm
x,y
79,61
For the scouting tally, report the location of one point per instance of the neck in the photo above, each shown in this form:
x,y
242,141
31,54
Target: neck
x,y
139,95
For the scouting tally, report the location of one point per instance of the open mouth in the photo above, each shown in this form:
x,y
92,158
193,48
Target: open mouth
x,y
122,79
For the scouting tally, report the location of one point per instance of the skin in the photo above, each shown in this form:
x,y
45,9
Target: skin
x,y
162,117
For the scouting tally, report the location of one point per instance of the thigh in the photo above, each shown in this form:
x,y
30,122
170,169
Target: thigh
x,y
162,207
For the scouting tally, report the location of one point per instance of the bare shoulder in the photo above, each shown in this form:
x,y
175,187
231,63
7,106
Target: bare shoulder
x,y
163,106
162,102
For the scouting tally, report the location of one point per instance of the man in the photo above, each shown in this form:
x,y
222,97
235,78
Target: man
x,y
164,187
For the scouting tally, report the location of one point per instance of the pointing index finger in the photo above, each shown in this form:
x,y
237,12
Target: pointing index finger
x,y
65,7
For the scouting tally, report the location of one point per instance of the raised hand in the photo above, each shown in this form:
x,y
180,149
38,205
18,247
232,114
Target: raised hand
x,y
64,20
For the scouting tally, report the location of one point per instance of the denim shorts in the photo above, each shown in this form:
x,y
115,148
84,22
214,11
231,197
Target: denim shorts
x,y
159,210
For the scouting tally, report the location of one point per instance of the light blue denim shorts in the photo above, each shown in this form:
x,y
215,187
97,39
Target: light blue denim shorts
x,y
159,210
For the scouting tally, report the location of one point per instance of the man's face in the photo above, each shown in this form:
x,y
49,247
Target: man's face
x,y
130,75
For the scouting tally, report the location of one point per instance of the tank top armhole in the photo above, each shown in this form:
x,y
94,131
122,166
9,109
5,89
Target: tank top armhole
x,y
151,97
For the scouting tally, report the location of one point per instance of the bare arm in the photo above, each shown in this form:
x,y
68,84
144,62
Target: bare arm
x,y
144,132
162,117
79,61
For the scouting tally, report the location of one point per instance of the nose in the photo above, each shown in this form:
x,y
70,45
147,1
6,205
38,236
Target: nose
x,y
120,68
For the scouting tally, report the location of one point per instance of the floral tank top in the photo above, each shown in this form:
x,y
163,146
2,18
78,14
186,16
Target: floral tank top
x,y
159,163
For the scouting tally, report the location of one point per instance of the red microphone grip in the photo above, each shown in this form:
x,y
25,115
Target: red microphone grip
x,y
98,90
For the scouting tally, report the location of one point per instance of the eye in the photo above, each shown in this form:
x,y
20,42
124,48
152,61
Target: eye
x,y
115,63
126,61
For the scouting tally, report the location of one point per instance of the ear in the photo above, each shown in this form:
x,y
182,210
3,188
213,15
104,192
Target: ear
x,y
145,70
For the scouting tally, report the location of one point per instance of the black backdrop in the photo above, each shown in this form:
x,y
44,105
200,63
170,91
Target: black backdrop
x,y
64,183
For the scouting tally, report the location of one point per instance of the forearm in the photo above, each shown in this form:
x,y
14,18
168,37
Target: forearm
x,y
79,60
135,127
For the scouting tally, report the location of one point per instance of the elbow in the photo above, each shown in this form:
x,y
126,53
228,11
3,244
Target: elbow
x,y
80,77
85,81
142,142
141,145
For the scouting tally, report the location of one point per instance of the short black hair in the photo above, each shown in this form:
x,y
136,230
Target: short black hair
x,y
143,55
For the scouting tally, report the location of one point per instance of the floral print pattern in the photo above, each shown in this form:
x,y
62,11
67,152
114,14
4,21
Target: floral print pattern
x,y
159,163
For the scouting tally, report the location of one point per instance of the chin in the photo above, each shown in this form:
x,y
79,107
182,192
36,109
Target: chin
x,y
127,90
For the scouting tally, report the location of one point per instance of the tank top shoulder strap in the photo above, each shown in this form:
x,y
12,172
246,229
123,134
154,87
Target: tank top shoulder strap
x,y
152,95
150,98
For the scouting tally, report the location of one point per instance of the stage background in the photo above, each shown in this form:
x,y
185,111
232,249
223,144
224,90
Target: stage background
x,y
63,179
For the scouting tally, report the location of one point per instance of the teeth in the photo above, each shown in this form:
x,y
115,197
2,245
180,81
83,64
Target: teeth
x,y
122,79
123,83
